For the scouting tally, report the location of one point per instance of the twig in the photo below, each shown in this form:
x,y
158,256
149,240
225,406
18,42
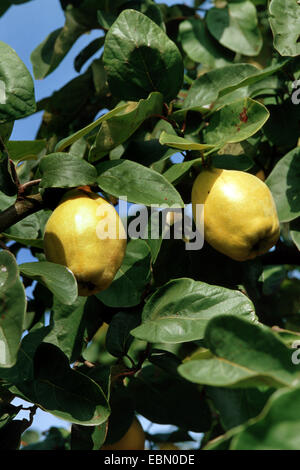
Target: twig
x,y
24,187
131,360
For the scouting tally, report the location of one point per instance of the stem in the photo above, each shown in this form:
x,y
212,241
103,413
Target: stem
x,y
188,80
131,360
24,187
214,149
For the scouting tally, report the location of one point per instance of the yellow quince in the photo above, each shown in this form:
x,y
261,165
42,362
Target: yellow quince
x,y
240,217
85,234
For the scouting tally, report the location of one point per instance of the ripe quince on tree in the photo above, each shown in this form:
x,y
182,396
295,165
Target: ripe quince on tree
x,y
133,439
240,217
85,234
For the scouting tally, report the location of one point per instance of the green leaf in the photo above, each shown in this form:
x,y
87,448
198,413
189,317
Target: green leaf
x,y
265,359
141,185
62,144
235,122
6,131
10,435
88,52
235,26
180,310
8,270
17,98
284,183
182,143
106,19
140,58
118,337
295,232
147,7
85,11
26,232
131,279
12,309
176,171
236,406
120,127
272,278
200,46
7,183
275,428
232,162
63,170
5,4
206,89
64,392
7,413
284,18
57,278
71,325
23,368
66,321
279,133
166,361
20,150
88,437
49,54
156,396
122,413
217,83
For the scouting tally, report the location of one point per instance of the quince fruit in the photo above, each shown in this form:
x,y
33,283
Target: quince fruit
x,y
133,439
168,446
85,234
240,217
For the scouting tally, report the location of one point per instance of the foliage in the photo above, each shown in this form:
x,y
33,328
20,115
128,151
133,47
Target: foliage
x,y
188,338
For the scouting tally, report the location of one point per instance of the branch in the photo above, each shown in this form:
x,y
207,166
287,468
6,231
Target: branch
x,y
19,210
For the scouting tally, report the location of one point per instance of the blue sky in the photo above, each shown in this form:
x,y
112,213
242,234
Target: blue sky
x,y
24,27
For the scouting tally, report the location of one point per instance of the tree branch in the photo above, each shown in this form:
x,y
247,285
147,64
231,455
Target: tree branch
x,y
19,210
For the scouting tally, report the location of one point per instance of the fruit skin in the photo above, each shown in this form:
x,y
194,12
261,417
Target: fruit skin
x,y
240,217
168,446
71,238
134,439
